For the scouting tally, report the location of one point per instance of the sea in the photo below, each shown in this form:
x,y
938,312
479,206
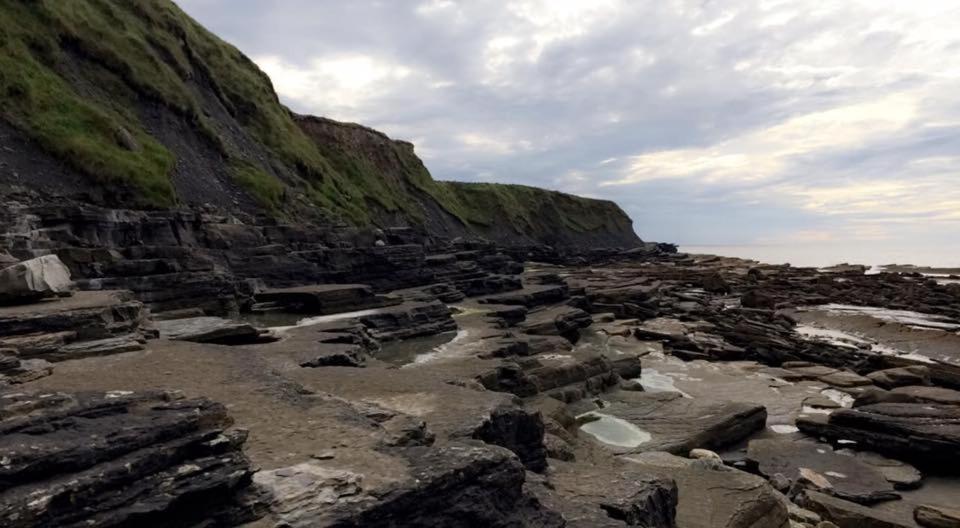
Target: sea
x,y
823,255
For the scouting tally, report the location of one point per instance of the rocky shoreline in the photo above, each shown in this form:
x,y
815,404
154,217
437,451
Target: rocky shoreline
x,y
205,368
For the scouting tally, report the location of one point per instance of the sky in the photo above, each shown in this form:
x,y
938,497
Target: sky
x,y
727,122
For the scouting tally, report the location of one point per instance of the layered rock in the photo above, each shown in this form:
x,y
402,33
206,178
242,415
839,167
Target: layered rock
x,y
118,459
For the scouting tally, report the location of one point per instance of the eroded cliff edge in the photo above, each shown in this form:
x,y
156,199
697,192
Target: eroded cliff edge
x,y
135,105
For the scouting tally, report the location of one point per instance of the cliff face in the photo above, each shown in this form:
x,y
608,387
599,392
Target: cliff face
x,y
134,104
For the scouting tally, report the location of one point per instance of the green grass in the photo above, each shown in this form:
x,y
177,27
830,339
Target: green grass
x,y
266,189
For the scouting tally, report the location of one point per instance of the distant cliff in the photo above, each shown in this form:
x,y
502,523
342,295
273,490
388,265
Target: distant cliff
x,y
134,104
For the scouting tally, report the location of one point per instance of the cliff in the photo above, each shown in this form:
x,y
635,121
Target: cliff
x,y
135,105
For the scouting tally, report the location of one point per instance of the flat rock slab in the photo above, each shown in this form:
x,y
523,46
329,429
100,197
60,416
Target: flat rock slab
x,y
903,476
716,496
324,299
846,514
850,478
676,424
927,434
210,330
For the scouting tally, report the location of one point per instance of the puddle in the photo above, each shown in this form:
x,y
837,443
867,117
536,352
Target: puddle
x,y
784,429
653,381
444,349
408,351
615,431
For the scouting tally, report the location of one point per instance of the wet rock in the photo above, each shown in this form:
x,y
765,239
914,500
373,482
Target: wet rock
x,y
849,478
210,330
936,516
32,280
678,425
922,433
899,377
118,459
846,514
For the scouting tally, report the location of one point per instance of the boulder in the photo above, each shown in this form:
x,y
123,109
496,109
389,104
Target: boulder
x,y
35,279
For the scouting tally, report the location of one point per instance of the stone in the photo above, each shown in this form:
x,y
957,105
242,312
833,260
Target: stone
x,y
704,454
899,377
215,330
35,279
930,516
531,295
119,459
848,477
558,448
846,514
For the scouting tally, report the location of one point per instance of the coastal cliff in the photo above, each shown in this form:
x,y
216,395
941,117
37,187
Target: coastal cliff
x,y
134,105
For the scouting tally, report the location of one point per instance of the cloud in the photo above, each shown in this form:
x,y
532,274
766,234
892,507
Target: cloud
x,y
729,122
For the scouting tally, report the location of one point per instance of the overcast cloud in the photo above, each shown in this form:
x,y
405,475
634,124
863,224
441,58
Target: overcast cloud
x,y
735,121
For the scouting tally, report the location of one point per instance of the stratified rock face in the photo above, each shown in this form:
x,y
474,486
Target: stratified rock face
x,y
118,459
927,434
35,279
453,485
409,320
87,324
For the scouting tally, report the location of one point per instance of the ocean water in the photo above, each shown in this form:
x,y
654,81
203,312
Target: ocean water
x,y
821,255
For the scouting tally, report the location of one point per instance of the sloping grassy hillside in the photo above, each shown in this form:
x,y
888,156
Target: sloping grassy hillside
x,y
142,101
